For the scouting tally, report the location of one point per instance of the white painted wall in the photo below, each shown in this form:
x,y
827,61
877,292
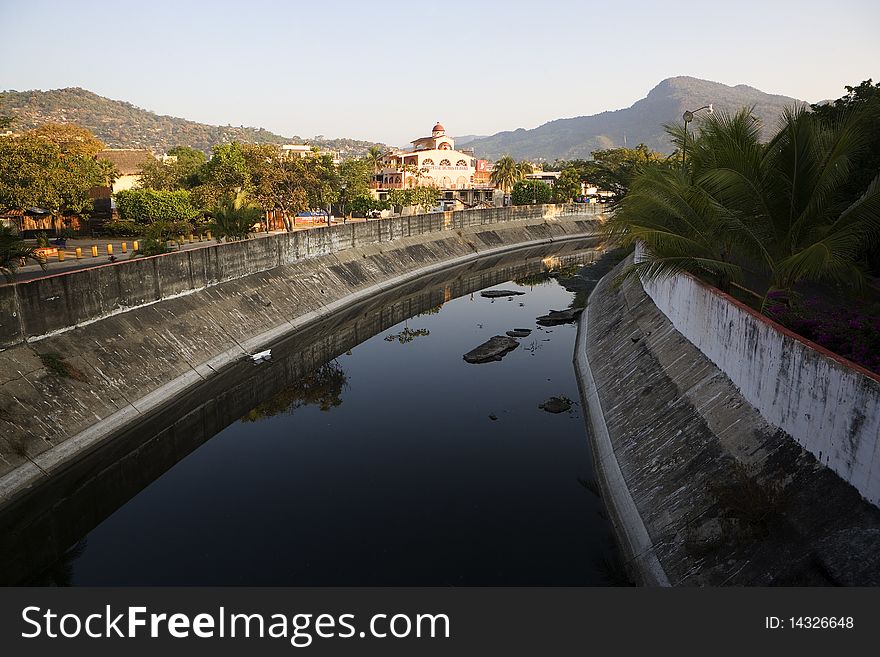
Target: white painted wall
x,y
830,408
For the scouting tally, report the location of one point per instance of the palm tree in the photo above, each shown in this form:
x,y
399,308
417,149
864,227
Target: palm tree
x,y
374,157
778,210
235,220
13,250
792,194
524,168
682,228
108,171
505,174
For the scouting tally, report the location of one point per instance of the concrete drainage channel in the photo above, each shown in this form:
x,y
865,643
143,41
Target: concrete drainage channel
x,y
41,467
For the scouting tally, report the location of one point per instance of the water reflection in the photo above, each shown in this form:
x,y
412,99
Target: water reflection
x,y
322,388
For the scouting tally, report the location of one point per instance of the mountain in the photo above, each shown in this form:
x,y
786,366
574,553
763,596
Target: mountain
x,y
123,125
466,139
641,123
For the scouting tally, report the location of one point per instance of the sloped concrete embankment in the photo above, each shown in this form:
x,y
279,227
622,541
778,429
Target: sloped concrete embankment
x,y
701,488
829,405
135,335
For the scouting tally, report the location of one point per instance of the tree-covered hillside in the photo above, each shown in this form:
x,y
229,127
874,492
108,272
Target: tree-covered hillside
x,y
123,125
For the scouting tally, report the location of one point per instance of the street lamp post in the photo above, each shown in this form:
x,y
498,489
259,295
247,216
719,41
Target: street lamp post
x,y
342,196
688,116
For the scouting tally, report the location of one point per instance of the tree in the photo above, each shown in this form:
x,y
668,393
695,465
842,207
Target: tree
x,y
374,157
614,169
35,173
780,210
362,205
6,120
70,139
424,198
224,176
321,180
505,173
524,168
531,191
567,186
109,172
262,161
180,173
354,174
13,250
289,187
863,103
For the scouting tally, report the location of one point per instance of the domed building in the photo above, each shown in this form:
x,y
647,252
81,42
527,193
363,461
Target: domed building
x,y
434,161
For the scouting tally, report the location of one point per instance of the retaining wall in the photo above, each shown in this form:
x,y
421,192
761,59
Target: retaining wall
x,y
45,305
829,405
701,488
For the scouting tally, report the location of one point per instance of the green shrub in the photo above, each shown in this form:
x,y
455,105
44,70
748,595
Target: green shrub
x,y
361,205
119,228
148,205
526,192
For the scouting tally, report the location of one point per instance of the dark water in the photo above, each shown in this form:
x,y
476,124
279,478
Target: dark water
x,y
385,468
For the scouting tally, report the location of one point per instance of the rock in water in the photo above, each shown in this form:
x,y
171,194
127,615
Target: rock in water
x,y
556,405
556,317
494,294
519,333
494,348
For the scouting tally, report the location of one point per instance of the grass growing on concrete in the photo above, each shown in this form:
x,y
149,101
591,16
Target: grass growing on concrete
x,y
57,365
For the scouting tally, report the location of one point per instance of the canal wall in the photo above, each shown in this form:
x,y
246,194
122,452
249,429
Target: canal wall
x,y
91,353
43,306
701,487
829,405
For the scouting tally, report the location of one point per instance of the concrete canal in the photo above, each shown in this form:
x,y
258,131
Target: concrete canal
x,y
366,451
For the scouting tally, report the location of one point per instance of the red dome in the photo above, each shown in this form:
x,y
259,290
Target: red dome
x,y
438,128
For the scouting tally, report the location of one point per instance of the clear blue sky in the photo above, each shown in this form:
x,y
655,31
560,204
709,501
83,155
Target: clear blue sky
x,y
388,70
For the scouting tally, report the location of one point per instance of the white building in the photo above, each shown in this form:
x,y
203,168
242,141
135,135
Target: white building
x,y
434,162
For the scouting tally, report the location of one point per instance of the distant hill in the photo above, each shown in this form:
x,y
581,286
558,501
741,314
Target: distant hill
x,y
123,125
463,140
642,123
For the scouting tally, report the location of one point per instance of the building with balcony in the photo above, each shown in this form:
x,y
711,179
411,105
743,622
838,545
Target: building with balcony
x,y
434,162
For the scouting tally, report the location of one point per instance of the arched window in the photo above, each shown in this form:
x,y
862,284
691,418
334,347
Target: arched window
x,y
428,162
444,163
444,146
461,163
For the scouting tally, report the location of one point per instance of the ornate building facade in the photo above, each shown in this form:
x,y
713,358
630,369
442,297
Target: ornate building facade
x,y
433,161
